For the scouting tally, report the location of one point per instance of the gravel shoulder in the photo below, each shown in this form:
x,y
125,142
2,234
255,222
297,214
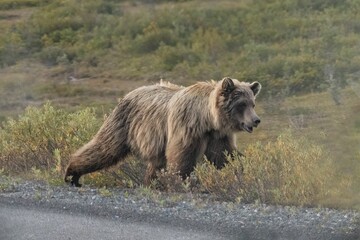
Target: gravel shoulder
x,y
187,212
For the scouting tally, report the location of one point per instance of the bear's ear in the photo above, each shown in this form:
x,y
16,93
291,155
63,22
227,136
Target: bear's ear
x,y
228,85
255,87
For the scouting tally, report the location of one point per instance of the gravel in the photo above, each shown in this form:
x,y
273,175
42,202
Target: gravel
x,y
230,219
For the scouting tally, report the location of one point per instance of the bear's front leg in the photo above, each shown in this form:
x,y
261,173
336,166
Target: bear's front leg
x,y
217,148
182,155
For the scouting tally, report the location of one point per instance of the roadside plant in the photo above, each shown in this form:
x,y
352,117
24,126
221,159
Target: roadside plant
x,y
289,171
44,138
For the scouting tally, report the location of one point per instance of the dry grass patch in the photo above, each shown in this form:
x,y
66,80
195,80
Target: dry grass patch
x,y
287,171
43,138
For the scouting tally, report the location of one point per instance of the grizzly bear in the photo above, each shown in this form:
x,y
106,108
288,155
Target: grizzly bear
x,y
171,126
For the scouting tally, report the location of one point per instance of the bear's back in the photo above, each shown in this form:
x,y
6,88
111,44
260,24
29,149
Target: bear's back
x,y
147,119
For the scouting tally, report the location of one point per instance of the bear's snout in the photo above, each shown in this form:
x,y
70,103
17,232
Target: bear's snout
x,y
256,121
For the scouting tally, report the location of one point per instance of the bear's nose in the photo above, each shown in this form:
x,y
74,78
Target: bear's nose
x,y
257,121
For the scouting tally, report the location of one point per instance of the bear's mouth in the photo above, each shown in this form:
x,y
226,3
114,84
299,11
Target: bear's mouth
x,y
246,128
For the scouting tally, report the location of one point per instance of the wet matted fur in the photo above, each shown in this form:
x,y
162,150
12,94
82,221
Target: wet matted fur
x,y
170,126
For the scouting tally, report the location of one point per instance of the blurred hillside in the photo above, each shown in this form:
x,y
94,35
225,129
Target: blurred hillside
x,y
294,46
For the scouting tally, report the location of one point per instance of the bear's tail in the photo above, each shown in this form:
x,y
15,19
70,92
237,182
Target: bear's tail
x,y
107,148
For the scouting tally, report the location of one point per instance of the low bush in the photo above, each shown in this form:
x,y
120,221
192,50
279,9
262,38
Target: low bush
x,y
288,171
43,138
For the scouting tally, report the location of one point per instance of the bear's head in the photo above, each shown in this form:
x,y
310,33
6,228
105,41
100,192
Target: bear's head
x,y
239,104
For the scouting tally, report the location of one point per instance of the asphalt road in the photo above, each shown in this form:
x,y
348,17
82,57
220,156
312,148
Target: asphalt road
x,y
23,219
36,211
19,222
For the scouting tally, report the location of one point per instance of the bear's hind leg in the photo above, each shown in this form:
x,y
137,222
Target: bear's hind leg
x,y
75,180
72,178
151,170
81,163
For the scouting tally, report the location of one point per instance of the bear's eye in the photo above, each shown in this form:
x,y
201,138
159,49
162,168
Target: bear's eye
x,y
241,105
237,94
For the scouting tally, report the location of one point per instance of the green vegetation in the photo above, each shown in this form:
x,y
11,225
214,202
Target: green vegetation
x,y
283,44
43,138
12,4
111,46
81,54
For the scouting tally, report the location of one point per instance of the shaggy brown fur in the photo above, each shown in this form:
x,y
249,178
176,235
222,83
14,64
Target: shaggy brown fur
x,y
171,126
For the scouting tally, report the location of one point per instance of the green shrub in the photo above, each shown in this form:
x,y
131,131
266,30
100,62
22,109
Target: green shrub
x,y
11,4
287,171
50,55
171,56
43,138
11,48
152,38
209,43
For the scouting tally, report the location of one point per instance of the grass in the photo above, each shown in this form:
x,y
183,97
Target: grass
x,y
31,84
